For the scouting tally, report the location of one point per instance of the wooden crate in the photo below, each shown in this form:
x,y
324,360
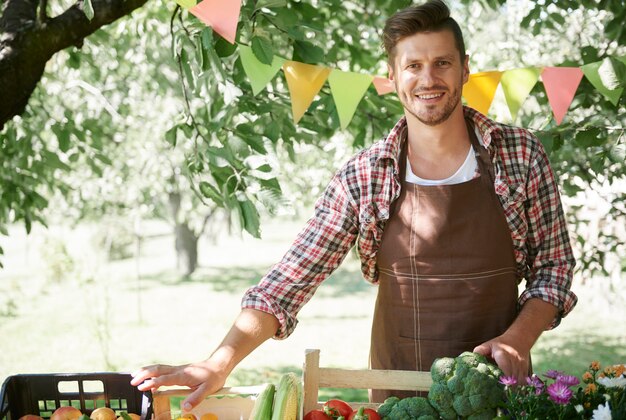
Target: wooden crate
x,y
234,403
316,377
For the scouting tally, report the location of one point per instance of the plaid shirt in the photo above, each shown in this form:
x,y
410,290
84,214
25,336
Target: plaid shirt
x,y
355,207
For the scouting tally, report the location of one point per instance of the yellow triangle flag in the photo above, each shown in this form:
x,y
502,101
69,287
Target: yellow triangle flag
x,y
259,74
304,82
516,85
348,89
480,90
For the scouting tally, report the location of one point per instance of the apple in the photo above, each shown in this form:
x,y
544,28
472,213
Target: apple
x,y
66,413
30,417
103,413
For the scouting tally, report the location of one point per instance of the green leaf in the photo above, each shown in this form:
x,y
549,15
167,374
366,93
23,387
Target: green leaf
x,y
224,48
251,220
308,53
170,136
207,38
262,49
209,191
589,138
272,131
88,9
53,161
184,61
63,137
270,4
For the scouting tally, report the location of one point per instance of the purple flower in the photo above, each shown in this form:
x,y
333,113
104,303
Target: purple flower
x,y
559,393
568,380
535,382
553,374
508,380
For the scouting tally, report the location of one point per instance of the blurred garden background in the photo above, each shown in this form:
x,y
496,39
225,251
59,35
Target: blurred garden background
x,y
146,183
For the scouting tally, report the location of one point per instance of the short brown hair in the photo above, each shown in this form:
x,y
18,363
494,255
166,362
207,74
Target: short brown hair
x,y
432,16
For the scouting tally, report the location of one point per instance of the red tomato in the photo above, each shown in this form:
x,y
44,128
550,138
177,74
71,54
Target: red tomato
x,y
368,413
317,415
336,408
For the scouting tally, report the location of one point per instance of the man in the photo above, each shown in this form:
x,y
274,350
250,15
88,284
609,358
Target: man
x,y
448,213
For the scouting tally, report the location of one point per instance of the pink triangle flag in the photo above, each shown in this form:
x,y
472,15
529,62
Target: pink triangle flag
x,y
221,15
560,84
383,85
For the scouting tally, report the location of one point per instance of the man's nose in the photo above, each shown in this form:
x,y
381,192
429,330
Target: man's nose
x,y
428,75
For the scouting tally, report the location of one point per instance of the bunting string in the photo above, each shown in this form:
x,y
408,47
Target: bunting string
x,y
304,81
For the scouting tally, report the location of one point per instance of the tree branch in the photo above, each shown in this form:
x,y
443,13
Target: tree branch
x,y
26,44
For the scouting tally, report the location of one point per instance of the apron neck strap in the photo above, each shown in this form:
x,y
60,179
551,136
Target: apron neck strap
x,y
482,155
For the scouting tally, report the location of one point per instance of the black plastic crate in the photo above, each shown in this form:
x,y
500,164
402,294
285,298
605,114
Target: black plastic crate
x,y
41,394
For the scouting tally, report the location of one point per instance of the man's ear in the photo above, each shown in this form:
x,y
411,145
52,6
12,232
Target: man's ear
x,y
466,70
390,72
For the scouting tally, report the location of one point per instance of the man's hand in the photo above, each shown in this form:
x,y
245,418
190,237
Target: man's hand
x,y
250,329
203,378
511,350
508,357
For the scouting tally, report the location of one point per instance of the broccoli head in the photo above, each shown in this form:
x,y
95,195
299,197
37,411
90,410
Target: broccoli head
x,y
465,386
412,408
386,406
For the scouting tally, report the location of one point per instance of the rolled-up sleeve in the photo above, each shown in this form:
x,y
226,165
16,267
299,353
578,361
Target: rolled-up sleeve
x,y
549,254
315,253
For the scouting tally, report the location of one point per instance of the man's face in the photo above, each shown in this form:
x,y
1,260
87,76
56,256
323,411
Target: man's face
x,y
429,75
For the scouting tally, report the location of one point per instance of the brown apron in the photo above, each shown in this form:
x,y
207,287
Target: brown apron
x,y
447,273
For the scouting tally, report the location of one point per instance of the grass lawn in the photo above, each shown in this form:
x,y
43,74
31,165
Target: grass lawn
x,y
118,316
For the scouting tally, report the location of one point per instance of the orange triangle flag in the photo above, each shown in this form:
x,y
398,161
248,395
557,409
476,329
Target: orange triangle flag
x,y
304,82
221,15
560,84
383,85
480,90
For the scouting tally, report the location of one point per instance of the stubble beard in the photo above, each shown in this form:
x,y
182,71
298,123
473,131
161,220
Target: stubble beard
x,y
433,117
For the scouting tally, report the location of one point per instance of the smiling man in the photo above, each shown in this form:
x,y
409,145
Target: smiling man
x,y
449,213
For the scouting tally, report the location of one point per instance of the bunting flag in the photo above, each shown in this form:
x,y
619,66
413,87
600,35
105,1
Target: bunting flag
x,y
186,4
516,85
480,90
594,73
560,84
383,85
220,15
347,89
258,73
304,82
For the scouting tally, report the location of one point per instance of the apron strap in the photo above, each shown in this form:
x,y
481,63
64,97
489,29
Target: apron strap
x,y
482,155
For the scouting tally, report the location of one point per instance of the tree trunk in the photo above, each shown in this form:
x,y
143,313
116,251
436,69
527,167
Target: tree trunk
x,y
29,38
186,240
186,249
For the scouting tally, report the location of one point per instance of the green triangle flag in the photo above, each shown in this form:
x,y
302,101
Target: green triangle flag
x,y
348,89
600,74
259,74
186,4
516,85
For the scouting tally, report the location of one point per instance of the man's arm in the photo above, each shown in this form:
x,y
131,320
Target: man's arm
x,y
511,350
250,329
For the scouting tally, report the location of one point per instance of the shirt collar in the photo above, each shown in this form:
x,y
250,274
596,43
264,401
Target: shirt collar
x,y
393,143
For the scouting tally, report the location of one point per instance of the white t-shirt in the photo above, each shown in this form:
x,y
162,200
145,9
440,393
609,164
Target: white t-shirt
x,y
465,173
